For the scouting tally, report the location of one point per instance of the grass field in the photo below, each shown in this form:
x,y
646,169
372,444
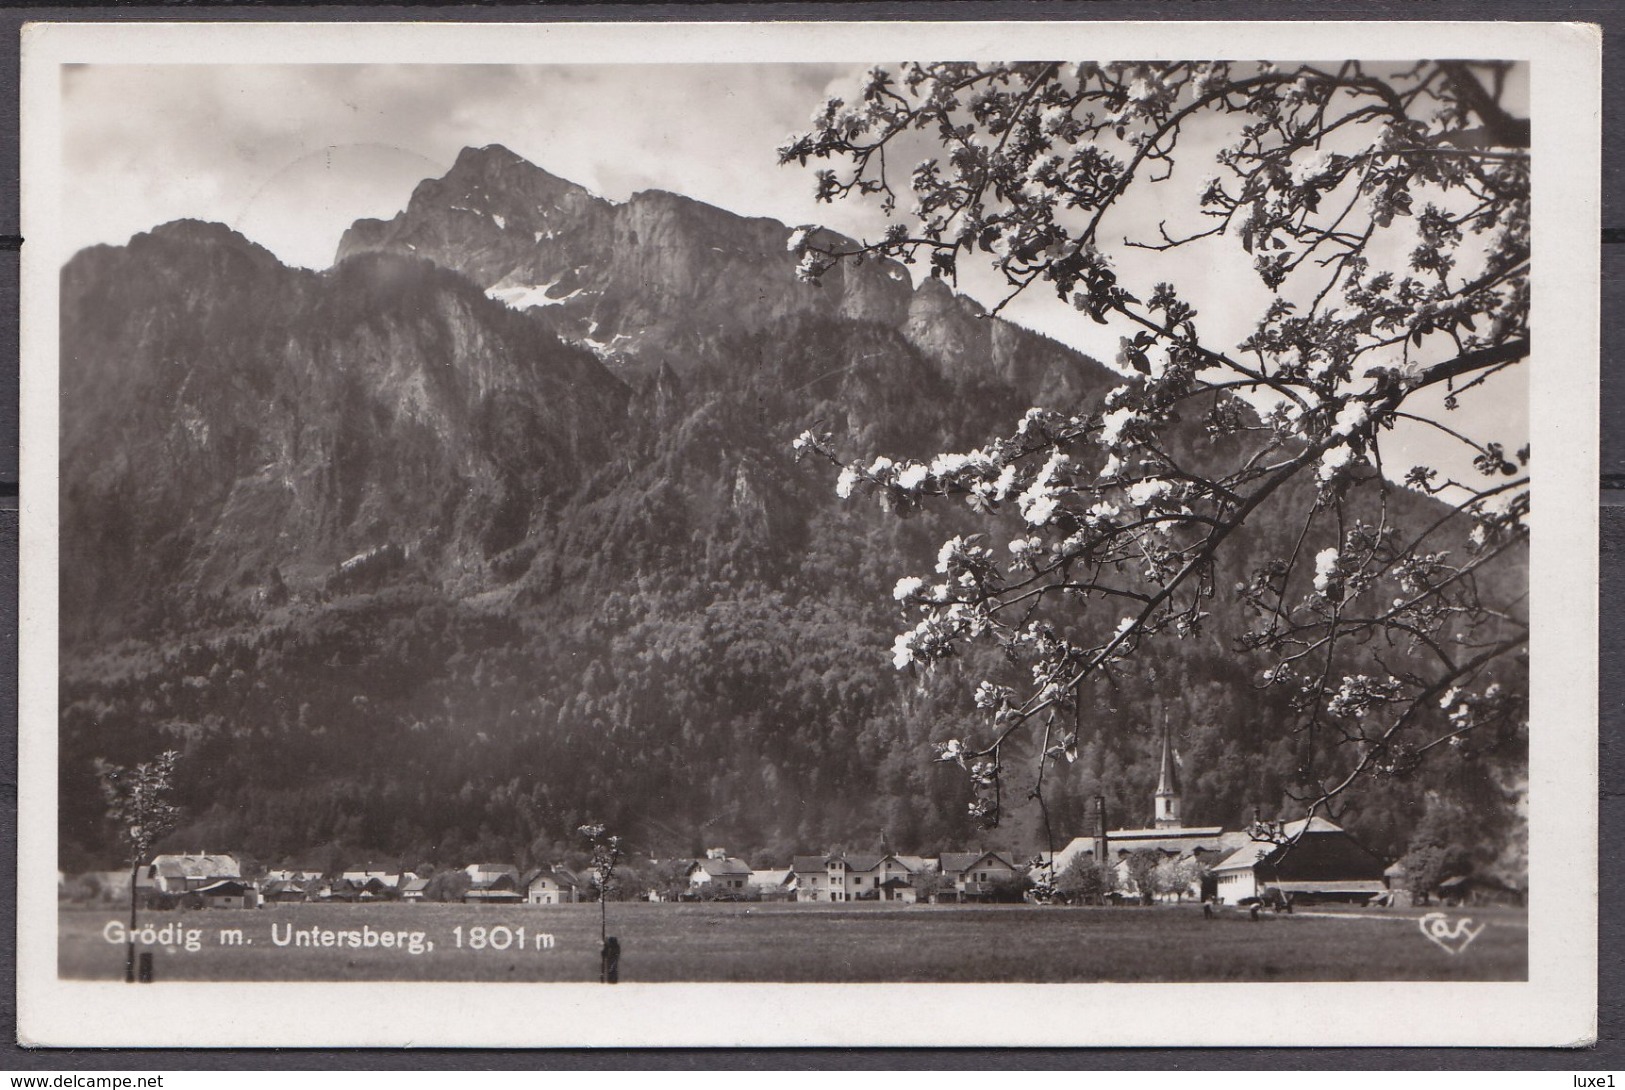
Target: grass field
x,y
800,943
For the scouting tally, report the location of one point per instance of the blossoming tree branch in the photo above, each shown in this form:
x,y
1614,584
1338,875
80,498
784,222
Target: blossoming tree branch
x,y
1385,214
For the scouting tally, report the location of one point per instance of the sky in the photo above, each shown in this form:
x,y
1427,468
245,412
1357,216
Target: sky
x,y
291,155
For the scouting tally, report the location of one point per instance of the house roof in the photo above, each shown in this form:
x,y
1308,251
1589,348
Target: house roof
x,y
560,877
414,885
915,863
959,862
771,876
955,862
226,887
1247,856
805,864
1316,824
722,868
866,861
195,866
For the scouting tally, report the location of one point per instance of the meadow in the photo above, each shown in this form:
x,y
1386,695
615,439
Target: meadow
x,y
790,943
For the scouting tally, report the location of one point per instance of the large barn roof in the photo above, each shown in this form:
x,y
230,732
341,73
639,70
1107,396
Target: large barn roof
x,y
1312,850
201,865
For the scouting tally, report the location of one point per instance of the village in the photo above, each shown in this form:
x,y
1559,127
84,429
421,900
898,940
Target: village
x,y
1275,864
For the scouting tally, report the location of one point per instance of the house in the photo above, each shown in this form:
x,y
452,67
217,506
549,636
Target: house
x,y
1311,859
1397,880
374,888
810,877
185,872
412,889
772,883
340,890
877,877
492,883
718,870
294,874
979,875
550,887
229,893
284,891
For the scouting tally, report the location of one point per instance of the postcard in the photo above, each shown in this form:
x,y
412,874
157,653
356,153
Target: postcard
x,y
1013,533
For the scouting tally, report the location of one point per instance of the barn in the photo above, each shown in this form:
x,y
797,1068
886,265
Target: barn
x,y
1311,860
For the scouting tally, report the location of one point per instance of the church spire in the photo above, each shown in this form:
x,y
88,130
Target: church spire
x,y
1167,797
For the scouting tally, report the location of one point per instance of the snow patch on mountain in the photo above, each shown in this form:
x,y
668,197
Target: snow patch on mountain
x,y
526,296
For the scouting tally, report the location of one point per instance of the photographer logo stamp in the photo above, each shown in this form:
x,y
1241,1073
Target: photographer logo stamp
x,y
1453,937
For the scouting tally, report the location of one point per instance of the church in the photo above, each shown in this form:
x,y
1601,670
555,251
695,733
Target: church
x,y
1312,859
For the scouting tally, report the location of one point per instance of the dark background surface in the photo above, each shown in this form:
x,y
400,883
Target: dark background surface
x,y
1608,1053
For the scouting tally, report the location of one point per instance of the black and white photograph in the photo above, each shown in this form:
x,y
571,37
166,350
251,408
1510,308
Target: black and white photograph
x,y
734,537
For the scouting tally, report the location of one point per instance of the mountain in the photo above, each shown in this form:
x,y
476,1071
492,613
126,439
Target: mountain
x,y
493,528
662,278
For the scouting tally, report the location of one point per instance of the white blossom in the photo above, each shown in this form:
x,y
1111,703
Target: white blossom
x,y
1037,506
1333,462
1053,117
912,476
1028,419
880,465
1023,547
1005,482
1113,423
906,587
1103,511
1311,168
1143,493
846,482
810,266
798,239
1351,417
1326,568
902,650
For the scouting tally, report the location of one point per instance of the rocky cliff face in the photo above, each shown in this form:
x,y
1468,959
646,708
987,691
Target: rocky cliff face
x,y
226,417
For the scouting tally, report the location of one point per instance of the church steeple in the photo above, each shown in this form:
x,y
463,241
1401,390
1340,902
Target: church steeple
x,y
1167,797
